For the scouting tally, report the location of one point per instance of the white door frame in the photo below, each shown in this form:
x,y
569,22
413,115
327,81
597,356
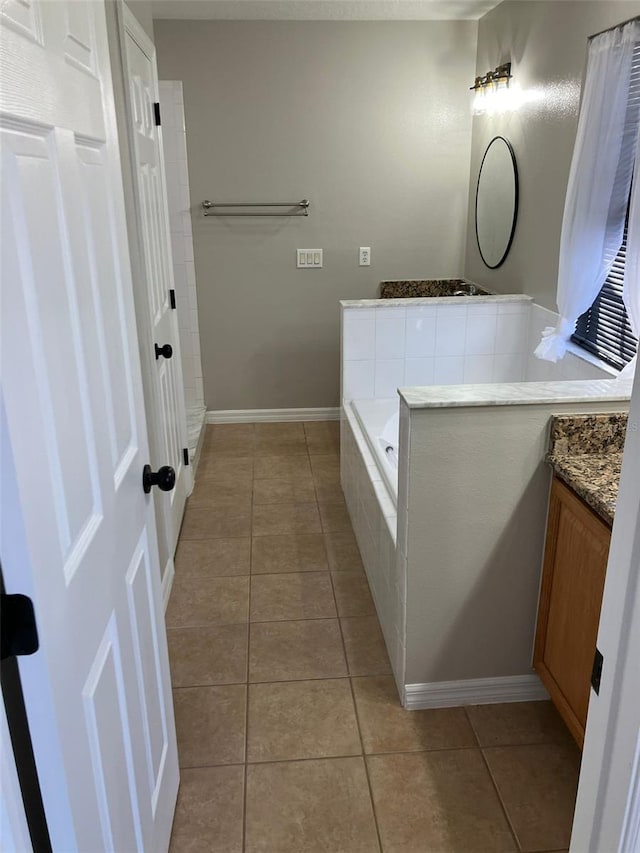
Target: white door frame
x,y
607,817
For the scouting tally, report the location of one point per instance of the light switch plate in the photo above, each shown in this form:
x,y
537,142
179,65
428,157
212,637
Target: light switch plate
x,y
308,259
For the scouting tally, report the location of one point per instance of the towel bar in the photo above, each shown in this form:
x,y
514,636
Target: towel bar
x,y
218,209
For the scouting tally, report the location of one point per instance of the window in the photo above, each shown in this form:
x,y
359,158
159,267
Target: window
x,y
604,329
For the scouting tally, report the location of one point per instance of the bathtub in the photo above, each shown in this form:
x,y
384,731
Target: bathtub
x,y
380,423
447,491
444,421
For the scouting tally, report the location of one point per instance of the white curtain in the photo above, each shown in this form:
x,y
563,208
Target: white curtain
x,y
631,289
599,183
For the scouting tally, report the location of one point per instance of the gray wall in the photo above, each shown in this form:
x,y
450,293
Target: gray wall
x,y
371,122
546,42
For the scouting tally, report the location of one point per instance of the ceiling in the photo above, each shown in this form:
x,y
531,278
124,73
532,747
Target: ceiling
x,y
323,10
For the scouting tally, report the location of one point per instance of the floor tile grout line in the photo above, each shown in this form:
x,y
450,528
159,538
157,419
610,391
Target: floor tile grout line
x,y
262,574
275,681
501,801
263,621
471,726
357,719
365,755
246,718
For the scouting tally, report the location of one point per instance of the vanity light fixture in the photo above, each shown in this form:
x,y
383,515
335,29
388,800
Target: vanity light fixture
x,y
491,92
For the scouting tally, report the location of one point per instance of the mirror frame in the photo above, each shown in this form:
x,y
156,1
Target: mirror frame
x,y
515,201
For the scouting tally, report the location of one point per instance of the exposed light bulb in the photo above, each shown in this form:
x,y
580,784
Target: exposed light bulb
x,y
478,105
502,97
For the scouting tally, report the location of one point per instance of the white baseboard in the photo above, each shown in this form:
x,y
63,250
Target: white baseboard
x,y
474,691
249,416
167,582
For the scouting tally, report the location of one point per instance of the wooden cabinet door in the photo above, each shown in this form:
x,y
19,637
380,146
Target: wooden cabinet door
x,y
575,564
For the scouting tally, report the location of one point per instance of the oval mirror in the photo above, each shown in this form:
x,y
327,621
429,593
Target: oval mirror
x,y
496,202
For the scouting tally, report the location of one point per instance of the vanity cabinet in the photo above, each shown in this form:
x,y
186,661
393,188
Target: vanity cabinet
x,y
574,568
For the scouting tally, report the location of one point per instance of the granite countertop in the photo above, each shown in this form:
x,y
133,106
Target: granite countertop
x,y
585,451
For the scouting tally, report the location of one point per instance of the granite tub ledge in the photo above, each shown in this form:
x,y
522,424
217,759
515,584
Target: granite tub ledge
x,y
517,393
436,300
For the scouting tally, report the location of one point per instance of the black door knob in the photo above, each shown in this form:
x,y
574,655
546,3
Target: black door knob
x,y
18,631
166,351
164,478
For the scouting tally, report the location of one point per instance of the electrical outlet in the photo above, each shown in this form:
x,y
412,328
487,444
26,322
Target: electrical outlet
x,y
308,259
365,256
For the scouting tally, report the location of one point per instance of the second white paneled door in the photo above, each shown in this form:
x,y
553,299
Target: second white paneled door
x,y
167,421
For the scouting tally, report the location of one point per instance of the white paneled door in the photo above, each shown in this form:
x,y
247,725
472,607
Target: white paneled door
x,y
79,533
160,325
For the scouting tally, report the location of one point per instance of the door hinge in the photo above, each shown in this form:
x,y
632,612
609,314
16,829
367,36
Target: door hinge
x,y
18,631
185,455
156,114
172,298
596,672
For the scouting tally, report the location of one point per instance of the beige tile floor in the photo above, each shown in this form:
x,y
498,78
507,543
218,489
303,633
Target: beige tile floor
x,y
290,734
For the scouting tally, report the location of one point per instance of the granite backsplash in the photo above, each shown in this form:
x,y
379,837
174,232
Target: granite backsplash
x,y
585,451
420,288
588,433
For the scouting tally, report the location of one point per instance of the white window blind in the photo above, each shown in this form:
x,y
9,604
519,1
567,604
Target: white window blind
x,y
604,329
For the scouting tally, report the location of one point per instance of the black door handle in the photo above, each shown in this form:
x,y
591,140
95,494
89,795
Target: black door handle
x,y
166,351
164,478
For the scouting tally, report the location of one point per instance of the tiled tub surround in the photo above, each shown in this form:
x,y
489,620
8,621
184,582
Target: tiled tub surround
x,y
392,343
586,453
175,153
457,595
372,506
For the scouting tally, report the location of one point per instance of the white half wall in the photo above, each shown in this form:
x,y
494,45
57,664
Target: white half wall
x,y
477,496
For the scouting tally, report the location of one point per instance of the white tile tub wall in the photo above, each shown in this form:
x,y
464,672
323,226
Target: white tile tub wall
x,y
176,167
385,347
374,522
